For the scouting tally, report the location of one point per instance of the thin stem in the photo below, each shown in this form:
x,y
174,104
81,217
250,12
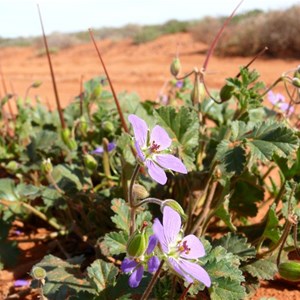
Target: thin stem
x,y
182,297
60,113
131,199
148,200
124,125
149,288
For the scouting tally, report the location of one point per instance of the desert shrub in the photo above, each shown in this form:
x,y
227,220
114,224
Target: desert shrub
x,y
147,34
251,32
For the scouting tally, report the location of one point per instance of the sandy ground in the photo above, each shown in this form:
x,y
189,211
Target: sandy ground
x,y
135,68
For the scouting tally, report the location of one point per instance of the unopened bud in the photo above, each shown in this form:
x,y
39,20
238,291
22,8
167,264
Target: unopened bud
x,y
175,67
198,91
36,84
38,273
108,127
47,167
67,139
138,242
90,162
297,72
139,192
296,82
226,92
290,270
176,206
83,126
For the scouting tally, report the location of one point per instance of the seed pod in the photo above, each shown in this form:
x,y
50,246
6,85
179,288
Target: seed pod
x,y
175,67
296,82
90,162
139,192
175,205
290,270
137,243
36,84
198,91
226,92
108,127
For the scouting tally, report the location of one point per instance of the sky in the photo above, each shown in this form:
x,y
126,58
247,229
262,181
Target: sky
x,y
20,17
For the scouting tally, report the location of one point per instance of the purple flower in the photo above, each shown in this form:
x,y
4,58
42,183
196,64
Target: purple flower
x,y
136,266
286,107
21,283
152,150
275,99
180,252
179,84
99,150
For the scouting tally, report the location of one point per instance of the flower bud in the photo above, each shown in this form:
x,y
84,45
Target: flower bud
x,y
226,92
139,192
297,72
96,93
83,126
138,242
296,82
38,273
108,127
175,67
290,270
90,162
47,167
67,139
36,84
175,205
198,91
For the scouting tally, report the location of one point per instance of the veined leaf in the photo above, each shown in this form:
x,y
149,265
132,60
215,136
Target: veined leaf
x,y
271,230
183,127
262,269
121,217
114,243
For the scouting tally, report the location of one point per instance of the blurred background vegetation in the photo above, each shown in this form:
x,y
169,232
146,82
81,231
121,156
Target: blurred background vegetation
x,y
246,35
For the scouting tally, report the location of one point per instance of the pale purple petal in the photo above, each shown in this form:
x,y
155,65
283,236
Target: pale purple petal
x,y
153,264
159,234
151,244
160,137
136,277
98,151
156,172
195,271
171,162
171,224
111,146
128,265
139,151
21,283
140,129
175,266
195,246
286,107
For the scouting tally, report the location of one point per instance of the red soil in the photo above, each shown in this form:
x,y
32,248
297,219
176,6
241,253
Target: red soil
x,y
140,68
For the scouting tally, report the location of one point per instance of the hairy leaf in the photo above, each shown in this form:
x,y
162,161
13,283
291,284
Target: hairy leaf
x,y
262,269
272,231
114,243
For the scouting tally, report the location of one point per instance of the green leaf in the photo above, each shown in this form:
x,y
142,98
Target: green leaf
x,y
63,279
8,190
226,277
233,158
271,230
237,245
183,128
102,275
262,269
223,213
122,214
270,138
114,243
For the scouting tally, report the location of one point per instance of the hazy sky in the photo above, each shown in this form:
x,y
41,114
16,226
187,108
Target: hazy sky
x,y
20,17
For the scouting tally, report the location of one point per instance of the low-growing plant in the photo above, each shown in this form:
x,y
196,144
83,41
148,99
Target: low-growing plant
x,y
194,197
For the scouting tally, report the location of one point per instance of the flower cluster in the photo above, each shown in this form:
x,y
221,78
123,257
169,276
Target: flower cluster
x,y
278,100
152,150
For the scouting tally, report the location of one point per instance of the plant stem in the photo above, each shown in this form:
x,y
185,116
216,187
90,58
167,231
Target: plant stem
x,y
148,200
152,282
131,199
182,297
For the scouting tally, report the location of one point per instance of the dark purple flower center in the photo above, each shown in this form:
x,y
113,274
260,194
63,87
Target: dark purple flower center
x,y
184,248
154,147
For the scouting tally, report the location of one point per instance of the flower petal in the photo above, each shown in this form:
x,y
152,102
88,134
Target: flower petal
x,y
175,266
153,264
171,224
139,151
151,244
159,234
195,246
98,151
156,172
160,137
171,162
140,129
136,277
195,271
128,265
